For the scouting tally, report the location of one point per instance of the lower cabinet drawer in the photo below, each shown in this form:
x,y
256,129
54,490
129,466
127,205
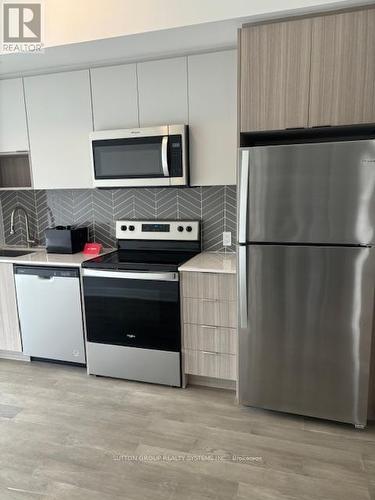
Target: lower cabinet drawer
x,y
210,312
210,338
215,286
210,364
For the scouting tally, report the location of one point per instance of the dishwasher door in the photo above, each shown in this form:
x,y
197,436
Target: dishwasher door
x,y
50,312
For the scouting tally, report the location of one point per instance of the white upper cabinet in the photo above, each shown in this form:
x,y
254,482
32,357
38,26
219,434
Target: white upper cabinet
x,y
13,126
60,120
213,118
162,87
114,97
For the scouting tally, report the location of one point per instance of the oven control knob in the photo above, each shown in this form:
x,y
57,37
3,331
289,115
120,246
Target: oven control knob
x,y
131,228
180,229
124,228
189,229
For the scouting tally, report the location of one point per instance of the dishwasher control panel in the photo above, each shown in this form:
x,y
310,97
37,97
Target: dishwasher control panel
x,y
47,272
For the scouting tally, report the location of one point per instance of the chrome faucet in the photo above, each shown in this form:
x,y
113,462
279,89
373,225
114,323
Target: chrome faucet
x,y
29,240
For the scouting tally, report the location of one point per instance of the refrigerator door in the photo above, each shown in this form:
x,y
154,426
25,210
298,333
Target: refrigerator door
x,y
308,193
305,331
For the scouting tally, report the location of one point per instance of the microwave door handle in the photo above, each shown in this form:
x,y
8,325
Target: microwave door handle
x,y
164,156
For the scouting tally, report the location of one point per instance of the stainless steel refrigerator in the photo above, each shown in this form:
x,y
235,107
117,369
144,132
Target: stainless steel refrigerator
x,y
306,274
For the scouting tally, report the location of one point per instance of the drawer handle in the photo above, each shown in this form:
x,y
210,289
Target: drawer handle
x,y
212,353
209,327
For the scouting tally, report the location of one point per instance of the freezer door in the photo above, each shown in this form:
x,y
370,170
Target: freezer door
x,y
305,336
310,193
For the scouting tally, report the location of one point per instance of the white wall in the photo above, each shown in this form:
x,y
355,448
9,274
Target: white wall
x,y
72,21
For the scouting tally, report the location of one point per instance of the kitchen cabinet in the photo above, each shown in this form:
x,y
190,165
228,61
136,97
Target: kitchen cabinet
x,y
275,75
114,97
212,83
13,125
209,311
10,337
343,69
162,88
308,72
15,171
60,120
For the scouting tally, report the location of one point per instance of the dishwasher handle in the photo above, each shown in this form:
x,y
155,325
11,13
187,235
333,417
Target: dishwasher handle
x,y
46,273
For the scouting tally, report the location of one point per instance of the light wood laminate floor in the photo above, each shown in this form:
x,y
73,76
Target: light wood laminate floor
x,y
64,435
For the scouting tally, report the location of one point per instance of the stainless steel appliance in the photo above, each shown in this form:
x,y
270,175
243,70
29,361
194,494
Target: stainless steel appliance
x,y
306,222
132,301
152,156
50,312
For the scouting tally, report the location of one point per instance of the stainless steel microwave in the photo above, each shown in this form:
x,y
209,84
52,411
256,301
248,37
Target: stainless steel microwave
x,y
139,157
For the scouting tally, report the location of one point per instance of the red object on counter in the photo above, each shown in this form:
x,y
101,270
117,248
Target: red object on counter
x,y
93,248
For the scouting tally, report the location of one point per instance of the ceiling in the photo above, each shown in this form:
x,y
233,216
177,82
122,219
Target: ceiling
x,y
195,38
151,45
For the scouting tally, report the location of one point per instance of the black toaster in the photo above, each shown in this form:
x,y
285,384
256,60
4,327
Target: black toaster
x,y
66,239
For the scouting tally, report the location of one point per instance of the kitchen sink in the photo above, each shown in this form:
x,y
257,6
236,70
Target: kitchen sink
x,y
14,253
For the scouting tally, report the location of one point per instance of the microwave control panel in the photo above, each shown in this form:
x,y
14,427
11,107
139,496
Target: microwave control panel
x,y
175,155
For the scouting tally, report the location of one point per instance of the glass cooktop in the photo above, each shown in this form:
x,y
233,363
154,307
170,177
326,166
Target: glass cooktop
x,y
141,260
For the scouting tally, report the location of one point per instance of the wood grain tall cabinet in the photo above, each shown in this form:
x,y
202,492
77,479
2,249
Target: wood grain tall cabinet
x,y
10,336
313,71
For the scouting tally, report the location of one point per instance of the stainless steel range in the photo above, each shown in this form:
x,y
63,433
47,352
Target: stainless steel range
x,y
132,301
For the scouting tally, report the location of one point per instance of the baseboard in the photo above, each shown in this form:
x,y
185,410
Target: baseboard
x,y
16,356
217,383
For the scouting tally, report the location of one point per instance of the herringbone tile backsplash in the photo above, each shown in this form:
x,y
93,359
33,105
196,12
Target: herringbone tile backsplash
x,y
99,209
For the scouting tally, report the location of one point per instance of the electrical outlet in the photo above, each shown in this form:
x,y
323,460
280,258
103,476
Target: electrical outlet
x,y
227,239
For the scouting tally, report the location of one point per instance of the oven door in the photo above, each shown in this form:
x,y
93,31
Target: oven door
x,y
134,309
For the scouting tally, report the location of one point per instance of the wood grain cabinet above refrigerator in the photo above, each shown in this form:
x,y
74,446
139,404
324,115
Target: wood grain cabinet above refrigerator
x,y
275,67
307,72
342,89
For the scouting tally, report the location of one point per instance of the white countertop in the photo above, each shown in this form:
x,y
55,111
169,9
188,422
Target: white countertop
x,y
39,257
211,262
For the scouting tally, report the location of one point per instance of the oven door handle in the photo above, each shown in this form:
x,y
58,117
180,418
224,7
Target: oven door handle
x,y
130,276
164,156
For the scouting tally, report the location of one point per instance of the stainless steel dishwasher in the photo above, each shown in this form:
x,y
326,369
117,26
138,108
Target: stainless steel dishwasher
x,y
50,312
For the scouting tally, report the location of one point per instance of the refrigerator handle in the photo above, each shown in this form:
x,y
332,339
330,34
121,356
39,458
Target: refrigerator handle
x,y
243,196
242,285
